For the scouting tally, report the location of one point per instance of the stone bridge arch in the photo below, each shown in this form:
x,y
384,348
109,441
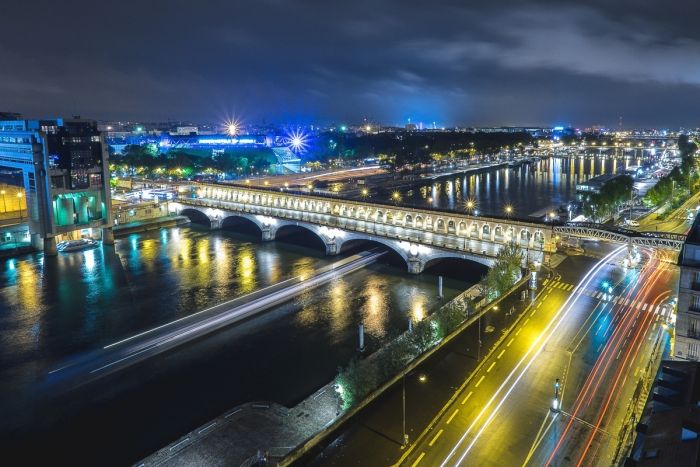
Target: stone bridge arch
x,y
196,216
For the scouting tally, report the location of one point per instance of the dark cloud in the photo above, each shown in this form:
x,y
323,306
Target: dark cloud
x,y
508,62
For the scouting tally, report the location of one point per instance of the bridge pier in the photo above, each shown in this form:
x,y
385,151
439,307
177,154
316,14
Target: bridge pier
x,y
215,224
331,248
268,234
415,265
107,236
50,246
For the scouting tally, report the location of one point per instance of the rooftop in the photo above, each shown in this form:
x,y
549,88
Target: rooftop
x,y
668,431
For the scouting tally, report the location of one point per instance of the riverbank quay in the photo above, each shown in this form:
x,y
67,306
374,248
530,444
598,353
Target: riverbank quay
x,y
162,222
271,431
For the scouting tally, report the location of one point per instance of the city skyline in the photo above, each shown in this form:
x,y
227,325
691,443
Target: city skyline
x,y
280,61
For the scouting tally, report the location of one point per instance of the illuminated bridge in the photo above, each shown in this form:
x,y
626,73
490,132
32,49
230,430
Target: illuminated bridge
x,y
419,236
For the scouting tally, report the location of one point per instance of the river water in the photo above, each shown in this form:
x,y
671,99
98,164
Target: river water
x,y
55,308
528,189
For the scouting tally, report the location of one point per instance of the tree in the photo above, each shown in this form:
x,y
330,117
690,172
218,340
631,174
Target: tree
x,y
504,273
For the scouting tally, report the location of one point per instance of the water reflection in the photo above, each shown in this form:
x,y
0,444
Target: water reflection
x,y
529,188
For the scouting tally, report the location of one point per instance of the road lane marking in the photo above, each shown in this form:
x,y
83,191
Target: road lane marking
x,y
510,342
467,398
491,367
518,331
500,354
480,380
645,307
525,322
420,458
571,286
452,416
435,438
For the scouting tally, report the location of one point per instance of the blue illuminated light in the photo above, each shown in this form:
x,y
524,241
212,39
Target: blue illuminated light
x,y
297,141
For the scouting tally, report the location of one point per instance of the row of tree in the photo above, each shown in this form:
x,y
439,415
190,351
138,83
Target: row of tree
x,y
608,201
146,161
355,381
680,183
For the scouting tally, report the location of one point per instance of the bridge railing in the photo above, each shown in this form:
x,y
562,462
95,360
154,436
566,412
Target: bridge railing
x,y
407,205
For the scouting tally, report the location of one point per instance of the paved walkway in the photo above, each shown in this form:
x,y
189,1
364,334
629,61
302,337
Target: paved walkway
x,y
238,435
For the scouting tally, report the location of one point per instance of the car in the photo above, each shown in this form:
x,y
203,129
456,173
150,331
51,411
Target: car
x,y
631,223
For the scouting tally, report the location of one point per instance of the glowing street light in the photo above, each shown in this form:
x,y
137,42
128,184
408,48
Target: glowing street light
x,y
364,192
469,205
508,209
232,128
396,196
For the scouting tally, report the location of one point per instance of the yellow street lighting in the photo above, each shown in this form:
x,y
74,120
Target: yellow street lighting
x,y
509,209
422,378
365,192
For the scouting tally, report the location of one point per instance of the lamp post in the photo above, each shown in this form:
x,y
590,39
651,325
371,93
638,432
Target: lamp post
x,y
19,202
4,206
422,378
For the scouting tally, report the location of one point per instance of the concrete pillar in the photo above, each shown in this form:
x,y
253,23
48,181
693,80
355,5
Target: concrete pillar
x,y
267,234
415,265
37,241
50,246
332,247
215,224
107,236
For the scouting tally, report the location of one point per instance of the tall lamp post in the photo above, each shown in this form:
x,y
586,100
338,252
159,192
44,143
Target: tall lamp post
x,y
422,378
19,202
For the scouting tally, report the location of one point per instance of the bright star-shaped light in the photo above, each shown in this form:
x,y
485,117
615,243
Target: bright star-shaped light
x,y
298,141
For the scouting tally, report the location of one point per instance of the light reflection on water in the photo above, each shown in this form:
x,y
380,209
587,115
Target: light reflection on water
x,y
528,188
79,301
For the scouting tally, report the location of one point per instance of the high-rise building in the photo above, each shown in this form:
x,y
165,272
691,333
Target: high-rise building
x,y
687,346
66,178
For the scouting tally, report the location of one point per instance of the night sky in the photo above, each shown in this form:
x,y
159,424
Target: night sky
x,y
453,62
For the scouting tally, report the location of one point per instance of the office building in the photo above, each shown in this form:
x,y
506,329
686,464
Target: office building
x,y
65,172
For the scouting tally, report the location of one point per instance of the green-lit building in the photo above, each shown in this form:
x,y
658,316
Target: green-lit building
x,y
66,178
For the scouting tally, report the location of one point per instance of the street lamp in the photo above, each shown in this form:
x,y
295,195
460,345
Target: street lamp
x,y
509,210
4,206
469,205
396,197
423,379
364,192
19,202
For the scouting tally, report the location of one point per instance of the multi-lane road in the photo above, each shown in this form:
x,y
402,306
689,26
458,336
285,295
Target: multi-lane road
x,y
596,335
600,329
